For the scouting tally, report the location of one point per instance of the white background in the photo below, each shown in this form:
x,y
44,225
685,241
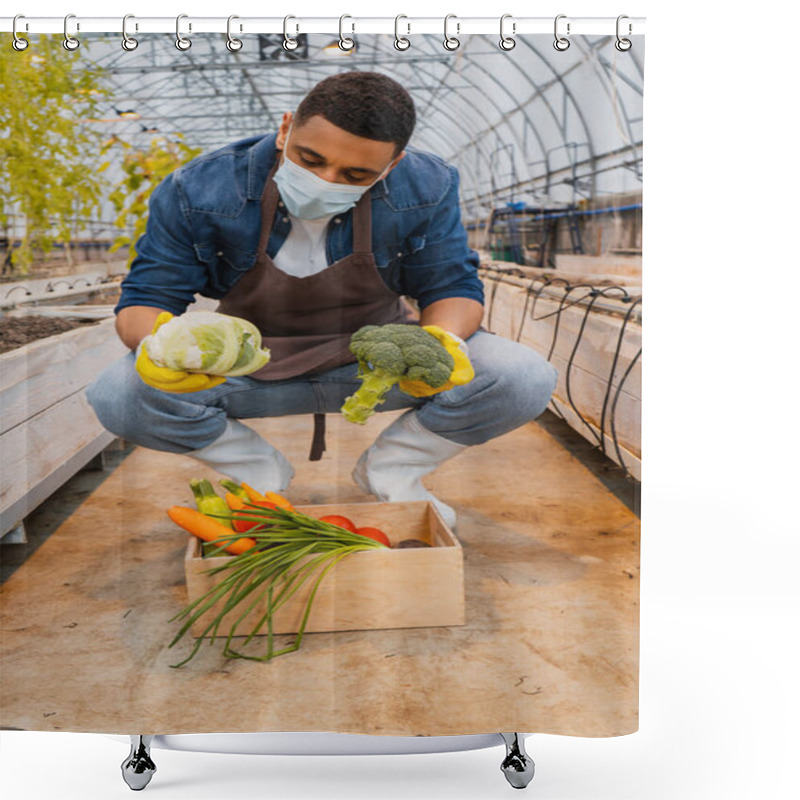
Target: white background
x,y
719,674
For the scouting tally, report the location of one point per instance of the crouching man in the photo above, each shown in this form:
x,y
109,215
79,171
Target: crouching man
x,y
311,233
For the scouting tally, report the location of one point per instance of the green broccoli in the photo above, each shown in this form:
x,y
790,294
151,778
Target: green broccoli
x,y
390,353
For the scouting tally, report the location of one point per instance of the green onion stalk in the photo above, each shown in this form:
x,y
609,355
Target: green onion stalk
x,y
291,549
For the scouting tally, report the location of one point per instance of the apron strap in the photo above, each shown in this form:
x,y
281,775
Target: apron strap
x,y
318,442
269,205
362,224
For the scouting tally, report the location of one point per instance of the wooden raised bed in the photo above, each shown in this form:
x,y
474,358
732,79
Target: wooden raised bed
x,y
599,380
48,431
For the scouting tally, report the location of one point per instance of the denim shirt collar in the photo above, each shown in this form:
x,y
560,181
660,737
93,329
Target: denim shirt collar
x,y
261,160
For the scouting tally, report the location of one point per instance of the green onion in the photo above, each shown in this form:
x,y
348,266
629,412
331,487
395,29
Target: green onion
x,y
291,549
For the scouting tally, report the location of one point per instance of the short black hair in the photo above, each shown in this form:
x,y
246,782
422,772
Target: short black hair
x,y
366,104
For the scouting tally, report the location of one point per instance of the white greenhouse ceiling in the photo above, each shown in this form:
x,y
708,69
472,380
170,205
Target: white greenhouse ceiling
x,y
531,125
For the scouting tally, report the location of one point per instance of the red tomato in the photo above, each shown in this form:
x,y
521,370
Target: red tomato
x,y
341,522
374,533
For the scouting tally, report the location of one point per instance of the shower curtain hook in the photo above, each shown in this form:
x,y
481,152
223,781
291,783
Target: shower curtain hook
x,y
507,42
623,45
234,45
128,42
19,44
345,42
451,42
561,43
70,42
289,44
400,42
181,42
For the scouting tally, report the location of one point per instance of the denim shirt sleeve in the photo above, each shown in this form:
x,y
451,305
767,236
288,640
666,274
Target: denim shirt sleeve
x,y
166,273
445,266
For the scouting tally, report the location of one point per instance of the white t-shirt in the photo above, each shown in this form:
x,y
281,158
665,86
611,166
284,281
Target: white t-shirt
x,y
303,252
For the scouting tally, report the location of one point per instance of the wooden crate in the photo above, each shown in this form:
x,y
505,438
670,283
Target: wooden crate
x,y
381,588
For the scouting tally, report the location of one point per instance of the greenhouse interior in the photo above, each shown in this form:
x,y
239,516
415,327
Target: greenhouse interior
x,y
547,145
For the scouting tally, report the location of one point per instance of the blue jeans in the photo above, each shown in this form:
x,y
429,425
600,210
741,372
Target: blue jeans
x,y
512,386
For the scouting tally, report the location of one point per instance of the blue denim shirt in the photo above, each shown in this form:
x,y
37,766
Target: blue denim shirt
x,y
203,230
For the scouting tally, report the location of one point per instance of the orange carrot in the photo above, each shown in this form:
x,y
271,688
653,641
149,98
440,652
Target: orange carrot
x,y
252,493
237,504
208,529
279,500
255,496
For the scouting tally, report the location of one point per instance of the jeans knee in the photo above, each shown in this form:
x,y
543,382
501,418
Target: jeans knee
x,y
109,394
512,379
540,381
527,387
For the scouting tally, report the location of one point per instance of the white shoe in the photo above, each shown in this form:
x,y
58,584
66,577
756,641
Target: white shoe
x,y
244,456
403,453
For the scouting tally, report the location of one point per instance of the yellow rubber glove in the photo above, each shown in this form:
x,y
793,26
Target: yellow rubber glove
x,y
462,370
171,380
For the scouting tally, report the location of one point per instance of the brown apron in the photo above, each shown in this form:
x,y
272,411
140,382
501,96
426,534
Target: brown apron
x,y
307,322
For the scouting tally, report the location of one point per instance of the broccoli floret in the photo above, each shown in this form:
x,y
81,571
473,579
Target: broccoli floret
x,y
390,353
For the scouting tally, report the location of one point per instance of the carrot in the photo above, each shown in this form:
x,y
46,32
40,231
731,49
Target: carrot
x,y
209,530
252,494
237,504
279,500
256,496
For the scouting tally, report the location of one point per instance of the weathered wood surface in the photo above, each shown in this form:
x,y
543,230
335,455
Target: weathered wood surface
x,y
593,390
46,425
618,264
573,271
550,642
64,312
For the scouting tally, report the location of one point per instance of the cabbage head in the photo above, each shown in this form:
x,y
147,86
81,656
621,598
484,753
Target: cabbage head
x,y
208,342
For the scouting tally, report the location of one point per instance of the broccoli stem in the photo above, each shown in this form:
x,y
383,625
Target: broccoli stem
x,y
375,383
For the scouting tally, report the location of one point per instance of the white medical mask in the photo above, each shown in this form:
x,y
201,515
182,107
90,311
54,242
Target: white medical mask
x,y
309,197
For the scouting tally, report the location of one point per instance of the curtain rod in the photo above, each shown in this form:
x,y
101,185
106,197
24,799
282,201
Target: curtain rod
x,y
293,25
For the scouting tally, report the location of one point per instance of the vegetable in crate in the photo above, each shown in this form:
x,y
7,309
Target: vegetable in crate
x,y
289,549
205,342
250,495
235,503
209,530
209,502
374,533
339,521
421,360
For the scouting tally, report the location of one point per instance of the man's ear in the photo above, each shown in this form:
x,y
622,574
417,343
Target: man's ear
x,y
283,130
398,158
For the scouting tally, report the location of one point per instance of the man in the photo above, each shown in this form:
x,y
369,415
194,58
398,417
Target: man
x,y
311,233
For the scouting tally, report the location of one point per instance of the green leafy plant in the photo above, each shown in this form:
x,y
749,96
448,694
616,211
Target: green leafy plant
x,y
48,148
144,170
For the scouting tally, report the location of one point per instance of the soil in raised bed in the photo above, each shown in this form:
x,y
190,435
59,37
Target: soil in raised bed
x,y
18,331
